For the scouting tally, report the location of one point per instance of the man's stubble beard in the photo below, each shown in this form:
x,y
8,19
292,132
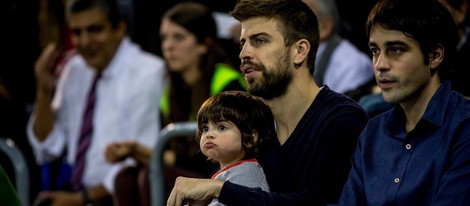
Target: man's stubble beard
x,y
274,81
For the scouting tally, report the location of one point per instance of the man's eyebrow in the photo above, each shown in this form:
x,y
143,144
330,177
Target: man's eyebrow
x,y
390,43
259,34
254,36
395,43
372,44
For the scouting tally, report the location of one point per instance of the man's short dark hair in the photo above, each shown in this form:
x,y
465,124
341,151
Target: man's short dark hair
x,y
426,21
110,8
295,20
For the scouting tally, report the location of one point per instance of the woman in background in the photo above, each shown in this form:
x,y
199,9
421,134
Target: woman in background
x,y
197,69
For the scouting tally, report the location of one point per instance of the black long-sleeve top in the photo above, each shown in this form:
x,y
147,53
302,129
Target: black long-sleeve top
x,y
311,167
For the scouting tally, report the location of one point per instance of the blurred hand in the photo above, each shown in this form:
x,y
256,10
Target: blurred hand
x,y
44,68
118,151
59,198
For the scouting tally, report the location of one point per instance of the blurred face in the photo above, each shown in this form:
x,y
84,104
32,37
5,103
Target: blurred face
x,y
180,47
399,67
266,61
222,142
457,14
94,37
325,22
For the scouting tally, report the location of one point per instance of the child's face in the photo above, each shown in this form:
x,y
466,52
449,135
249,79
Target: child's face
x,y
222,142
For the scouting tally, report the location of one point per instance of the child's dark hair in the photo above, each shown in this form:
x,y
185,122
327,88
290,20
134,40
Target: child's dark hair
x,y
247,112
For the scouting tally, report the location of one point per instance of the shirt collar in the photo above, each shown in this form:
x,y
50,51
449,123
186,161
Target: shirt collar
x,y
434,113
118,59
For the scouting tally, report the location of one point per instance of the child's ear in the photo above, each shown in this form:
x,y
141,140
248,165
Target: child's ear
x,y
254,135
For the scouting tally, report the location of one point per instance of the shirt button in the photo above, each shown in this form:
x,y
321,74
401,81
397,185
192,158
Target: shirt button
x,y
396,180
408,146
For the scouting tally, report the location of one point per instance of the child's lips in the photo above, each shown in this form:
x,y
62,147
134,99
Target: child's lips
x,y
209,145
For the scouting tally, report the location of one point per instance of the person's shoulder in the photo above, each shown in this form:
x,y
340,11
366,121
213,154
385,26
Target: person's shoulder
x,y
226,78
380,119
334,100
147,58
351,52
332,107
142,58
75,60
250,165
249,174
74,66
224,68
137,66
461,106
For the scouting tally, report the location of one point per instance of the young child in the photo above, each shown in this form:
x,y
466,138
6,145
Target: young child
x,y
232,127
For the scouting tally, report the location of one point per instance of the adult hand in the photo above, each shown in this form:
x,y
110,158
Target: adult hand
x,y
188,189
44,68
60,198
118,151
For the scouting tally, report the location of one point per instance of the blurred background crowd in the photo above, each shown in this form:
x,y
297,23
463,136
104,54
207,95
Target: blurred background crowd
x,y
343,62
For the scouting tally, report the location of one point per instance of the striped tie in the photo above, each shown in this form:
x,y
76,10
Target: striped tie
x,y
84,138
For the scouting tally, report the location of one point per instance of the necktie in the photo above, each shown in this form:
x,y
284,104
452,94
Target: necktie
x,y
84,138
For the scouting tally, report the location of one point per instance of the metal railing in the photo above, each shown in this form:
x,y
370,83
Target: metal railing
x,y
20,167
157,177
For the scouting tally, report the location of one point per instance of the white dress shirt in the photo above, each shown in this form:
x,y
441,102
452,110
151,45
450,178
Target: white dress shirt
x,y
126,108
348,67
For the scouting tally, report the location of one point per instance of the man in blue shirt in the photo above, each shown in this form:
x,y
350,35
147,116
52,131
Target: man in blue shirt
x,y
418,153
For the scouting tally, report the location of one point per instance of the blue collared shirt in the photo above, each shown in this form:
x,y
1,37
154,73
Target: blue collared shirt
x,y
430,165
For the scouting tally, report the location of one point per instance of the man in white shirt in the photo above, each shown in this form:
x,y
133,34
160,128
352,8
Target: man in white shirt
x,y
339,64
126,106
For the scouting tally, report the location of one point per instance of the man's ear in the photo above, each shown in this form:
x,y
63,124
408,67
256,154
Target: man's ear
x,y
436,56
302,48
122,29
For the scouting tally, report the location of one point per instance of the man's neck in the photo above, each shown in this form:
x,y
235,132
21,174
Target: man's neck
x,y
289,108
414,108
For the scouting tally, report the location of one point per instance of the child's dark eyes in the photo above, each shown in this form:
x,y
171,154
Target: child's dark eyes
x,y
222,127
205,128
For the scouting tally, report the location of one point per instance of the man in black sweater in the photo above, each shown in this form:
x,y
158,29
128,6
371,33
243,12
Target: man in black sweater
x,y
317,128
